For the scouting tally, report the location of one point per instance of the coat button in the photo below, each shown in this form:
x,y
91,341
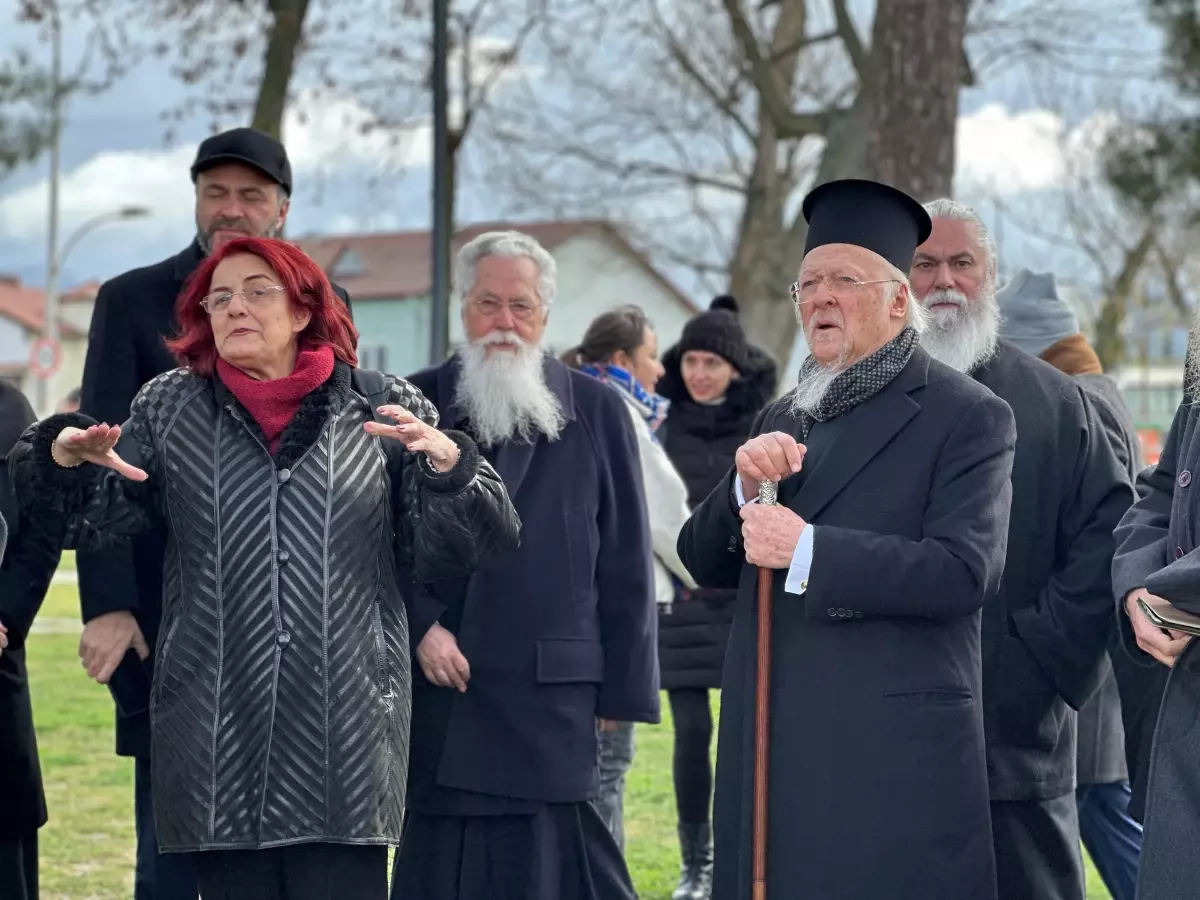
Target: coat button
x,y
857,614
732,546
1179,553
283,639
1185,478
283,557
284,475
832,613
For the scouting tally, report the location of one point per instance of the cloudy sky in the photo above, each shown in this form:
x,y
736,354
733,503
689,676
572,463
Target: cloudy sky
x,y
1010,148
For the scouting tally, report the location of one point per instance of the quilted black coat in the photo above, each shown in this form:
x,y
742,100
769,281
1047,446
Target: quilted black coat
x,y
282,686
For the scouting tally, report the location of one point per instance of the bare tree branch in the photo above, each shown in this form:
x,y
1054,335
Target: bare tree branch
x,y
860,57
788,124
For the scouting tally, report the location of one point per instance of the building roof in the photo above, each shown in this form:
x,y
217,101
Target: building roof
x,y
82,293
394,265
27,306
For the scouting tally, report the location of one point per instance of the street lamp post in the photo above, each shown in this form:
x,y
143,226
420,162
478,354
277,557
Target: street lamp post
x,y
57,257
442,203
50,323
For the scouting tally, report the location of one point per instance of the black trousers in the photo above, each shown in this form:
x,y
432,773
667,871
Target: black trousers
x,y
1037,849
19,868
693,722
300,872
158,876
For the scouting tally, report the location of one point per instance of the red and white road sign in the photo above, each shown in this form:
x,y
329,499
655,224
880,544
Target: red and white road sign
x,y
45,356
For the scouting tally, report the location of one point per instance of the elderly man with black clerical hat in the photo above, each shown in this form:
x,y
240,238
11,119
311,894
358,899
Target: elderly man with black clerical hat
x,y
887,540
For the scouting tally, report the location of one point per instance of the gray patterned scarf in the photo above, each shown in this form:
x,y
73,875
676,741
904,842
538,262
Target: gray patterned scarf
x,y
858,383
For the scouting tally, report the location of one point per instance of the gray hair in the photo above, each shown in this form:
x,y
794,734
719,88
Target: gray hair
x,y
511,244
945,208
916,315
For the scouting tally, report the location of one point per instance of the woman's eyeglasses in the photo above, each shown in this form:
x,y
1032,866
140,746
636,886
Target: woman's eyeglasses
x,y
219,301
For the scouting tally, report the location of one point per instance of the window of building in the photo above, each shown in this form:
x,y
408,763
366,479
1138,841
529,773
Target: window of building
x,y
347,265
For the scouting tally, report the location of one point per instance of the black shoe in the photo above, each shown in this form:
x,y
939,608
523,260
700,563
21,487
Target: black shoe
x,y
695,844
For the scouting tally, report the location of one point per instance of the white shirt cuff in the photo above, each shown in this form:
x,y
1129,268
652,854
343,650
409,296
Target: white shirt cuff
x,y
797,577
738,495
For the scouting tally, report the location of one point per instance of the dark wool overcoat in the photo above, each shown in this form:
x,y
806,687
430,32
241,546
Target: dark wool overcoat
x,y
1158,548
1044,643
878,785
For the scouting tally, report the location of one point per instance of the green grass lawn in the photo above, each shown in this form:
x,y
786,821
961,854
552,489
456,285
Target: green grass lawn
x,y
87,847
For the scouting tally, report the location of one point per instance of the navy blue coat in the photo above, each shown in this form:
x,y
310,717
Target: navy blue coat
x,y
558,633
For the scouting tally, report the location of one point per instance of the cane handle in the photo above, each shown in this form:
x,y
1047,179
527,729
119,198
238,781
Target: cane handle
x,y
768,493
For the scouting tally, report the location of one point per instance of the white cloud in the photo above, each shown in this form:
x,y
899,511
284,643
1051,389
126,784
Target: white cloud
x,y
1001,151
323,132
322,129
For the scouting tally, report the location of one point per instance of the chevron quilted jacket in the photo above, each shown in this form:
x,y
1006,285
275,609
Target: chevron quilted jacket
x,y
281,688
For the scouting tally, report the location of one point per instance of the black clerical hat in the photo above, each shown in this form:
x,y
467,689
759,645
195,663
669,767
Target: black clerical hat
x,y
867,214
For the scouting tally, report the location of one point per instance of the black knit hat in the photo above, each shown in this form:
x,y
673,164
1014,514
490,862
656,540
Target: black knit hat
x,y
717,331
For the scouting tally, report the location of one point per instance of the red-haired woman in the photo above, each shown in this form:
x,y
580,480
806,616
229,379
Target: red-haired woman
x,y
300,529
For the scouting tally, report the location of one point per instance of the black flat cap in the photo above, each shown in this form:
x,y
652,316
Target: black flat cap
x,y
867,214
248,147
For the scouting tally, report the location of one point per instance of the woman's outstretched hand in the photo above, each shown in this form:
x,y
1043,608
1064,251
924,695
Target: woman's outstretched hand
x,y
95,445
417,437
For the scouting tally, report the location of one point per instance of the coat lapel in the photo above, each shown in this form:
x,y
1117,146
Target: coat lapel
x,y
861,435
512,459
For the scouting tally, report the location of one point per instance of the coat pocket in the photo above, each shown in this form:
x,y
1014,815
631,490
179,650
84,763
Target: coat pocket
x,y
580,557
570,661
165,682
383,670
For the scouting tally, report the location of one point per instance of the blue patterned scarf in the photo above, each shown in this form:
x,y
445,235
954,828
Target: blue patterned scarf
x,y
653,407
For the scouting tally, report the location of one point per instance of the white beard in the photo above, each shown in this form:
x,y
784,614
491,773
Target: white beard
x,y
808,394
963,338
504,393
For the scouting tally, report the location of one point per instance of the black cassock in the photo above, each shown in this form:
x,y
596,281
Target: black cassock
x,y
878,781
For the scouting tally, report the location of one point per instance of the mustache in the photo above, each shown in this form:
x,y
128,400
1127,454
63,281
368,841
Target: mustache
x,y
957,298
824,318
238,224
501,337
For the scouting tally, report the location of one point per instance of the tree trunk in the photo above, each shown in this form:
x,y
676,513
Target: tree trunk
x,y
764,273
761,270
287,29
916,70
1109,342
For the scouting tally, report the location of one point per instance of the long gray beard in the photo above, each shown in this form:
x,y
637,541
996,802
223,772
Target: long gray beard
x,y
505,395
808,394
964,338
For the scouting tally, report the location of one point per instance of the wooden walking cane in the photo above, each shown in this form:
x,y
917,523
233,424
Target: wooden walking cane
x,y
767,494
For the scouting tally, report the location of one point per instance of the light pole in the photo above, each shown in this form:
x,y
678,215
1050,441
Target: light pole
x,y
50,323
439,325
50,329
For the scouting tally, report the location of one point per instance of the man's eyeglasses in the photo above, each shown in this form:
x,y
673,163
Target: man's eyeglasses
x,y
219,301
838,285
520,309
